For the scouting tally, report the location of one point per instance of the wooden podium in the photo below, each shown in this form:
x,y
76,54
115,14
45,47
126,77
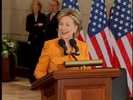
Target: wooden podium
x,y
72,84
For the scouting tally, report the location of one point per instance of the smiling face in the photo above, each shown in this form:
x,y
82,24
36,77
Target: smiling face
x,y
67,27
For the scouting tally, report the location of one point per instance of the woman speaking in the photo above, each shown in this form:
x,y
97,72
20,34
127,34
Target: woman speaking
x,y
64,48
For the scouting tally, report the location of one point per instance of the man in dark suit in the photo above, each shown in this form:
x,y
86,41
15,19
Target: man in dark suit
x,y
35,25
52,22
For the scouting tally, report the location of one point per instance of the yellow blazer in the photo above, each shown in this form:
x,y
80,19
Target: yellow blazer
x,y
52,57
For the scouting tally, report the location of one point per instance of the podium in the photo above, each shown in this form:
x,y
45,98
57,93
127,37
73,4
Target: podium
x,y
77,84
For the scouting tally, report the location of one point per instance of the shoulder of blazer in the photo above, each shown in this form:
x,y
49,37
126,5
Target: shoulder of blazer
x,y
81,42
30,16
41,14
52,43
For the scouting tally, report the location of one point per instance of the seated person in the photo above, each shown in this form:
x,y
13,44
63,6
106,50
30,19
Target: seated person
x,y
57,51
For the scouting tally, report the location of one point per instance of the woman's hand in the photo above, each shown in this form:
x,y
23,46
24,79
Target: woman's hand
x,y
40,24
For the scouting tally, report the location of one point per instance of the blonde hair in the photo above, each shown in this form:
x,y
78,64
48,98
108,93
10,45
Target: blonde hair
x,y
75,15
36,2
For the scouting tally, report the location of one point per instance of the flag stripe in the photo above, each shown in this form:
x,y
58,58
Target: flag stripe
x,y
130,39
81,36
113,57
107,46
92,51
127,47
103,49
108,36
97,49
116,60
121,61
125,56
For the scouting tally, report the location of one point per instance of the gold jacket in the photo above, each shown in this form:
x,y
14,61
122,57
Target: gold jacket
x,y
52,57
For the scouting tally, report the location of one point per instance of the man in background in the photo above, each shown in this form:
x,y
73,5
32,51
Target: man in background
x,y
52,22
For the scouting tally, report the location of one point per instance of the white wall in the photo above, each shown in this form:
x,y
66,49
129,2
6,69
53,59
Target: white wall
x,y
14,14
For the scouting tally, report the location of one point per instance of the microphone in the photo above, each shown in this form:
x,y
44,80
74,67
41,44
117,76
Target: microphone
x,y
62,43
74,45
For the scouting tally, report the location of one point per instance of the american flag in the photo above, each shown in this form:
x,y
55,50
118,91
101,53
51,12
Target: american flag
x,y
98,37
121,27
73,4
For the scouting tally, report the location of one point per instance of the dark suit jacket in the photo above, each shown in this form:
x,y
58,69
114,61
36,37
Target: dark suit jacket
x,y
35,33
52,27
